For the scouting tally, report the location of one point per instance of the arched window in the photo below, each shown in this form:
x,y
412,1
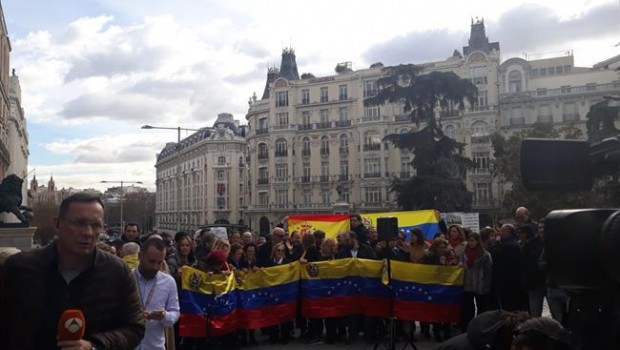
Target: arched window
x,y
221,161
344,141
480,127
281,147
450,131
515,81
324,144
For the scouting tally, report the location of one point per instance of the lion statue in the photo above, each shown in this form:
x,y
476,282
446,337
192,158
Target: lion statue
x,y
11,198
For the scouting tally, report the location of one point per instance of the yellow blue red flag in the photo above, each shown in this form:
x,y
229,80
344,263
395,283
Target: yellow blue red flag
x,y
343,287
426,293
331,224
425,220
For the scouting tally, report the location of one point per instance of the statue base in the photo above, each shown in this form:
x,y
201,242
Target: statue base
x,y
17,237
341,208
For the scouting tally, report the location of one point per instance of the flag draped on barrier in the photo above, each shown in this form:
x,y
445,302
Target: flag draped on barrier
x,y
268,296
208,304
331,224
425,220
344,287
426,293
213,305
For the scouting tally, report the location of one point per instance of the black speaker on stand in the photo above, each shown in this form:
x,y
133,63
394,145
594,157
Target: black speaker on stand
x,y
387,228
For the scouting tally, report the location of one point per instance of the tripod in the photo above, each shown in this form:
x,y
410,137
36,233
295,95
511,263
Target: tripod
x,y
389,340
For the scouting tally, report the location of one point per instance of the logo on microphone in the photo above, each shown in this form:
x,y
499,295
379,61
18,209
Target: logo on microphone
x,y
73,324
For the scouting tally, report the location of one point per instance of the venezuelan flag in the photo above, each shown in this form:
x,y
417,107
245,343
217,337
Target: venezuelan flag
x,y
344,287
268,296
425,220
426,293
207,297
332,224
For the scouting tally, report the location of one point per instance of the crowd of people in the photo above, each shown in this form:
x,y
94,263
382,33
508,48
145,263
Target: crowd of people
x,y
501,267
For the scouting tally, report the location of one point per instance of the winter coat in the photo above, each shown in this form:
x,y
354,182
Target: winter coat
x,y
478,276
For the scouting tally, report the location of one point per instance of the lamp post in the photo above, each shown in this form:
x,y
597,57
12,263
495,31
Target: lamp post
x,y
178,129
121,199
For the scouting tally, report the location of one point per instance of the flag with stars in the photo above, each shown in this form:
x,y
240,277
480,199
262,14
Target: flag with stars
x,y
208,304
267,297
426,293
425,220
344,287
331,224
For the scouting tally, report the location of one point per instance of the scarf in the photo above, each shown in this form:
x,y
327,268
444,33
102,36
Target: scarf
x,y
473,254
454,242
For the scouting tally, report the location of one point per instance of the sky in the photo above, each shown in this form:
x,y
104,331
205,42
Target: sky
x,y
92,72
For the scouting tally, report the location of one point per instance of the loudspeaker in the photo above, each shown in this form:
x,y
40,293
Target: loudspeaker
x,y
387,228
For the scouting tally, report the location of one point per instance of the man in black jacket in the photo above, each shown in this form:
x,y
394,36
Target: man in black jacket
x,y
263,256
357,226
71,273
352,248
507,275
533,277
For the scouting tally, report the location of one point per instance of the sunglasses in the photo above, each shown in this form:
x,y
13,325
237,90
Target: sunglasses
x,y
279,250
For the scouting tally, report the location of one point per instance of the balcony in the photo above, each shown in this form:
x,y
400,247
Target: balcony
x,y
372,175
372,147
263,181
281,153
570,117
402,118
262,131
324,151
263,156
343,150
304,127
343,123
484,139
305,152
344,177
324,125
545,119
304,179
404,175
305,101
324,178
373,118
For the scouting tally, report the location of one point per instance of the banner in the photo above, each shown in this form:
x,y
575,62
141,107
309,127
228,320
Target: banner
x,y
344,287
468,220
425,220
268,296
207,297
426,293
331,224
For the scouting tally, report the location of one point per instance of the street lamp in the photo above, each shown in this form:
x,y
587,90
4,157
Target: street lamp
x,y
121,199
178,129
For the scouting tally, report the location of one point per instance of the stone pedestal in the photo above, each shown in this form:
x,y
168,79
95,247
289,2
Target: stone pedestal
x,y
17,237
341,207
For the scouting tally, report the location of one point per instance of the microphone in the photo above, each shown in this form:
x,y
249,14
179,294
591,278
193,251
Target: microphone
x,y
71,325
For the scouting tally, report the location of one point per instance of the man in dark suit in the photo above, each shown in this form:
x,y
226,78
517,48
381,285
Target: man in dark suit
x,y
352,248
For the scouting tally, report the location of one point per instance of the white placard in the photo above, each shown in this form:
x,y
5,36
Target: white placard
x,y
220,232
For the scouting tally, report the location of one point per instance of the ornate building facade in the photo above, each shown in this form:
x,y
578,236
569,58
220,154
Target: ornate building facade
x,y
18,136
5,52
202,179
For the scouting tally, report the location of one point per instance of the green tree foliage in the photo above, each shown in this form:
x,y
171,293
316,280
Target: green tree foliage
x,y
440,169
507,168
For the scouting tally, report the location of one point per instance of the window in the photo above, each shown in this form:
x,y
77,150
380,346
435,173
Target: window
x,y
324,94
281,98
372,167
482,162
559,70
541,92
263,173
450,132
481,100
344,170
516,116
281,197
305,145
305,170
480,127
405,167
371,113
515,81
569,112
263,152
566,89
324,116
373,195
221,161
306,196
543,72
544,114
220,175
344,141
281,172
342,92
263,198
372,138
478,75
281,148
263,124
305,96
534,73
324,145
325,196
282,118
567,69
344,194
324,171
370,88
482,193
551,70
305,119
343,114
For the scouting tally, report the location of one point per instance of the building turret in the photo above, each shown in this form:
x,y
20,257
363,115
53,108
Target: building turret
x,y
34,184
478,40
51,185
288,66
272,75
